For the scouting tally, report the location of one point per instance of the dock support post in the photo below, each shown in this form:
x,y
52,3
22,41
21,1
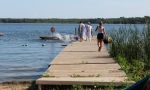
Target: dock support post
x,y
39,87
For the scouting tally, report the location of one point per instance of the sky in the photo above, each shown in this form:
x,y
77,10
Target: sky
x,y
74,8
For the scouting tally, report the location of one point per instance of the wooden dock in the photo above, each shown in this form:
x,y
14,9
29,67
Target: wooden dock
x,y
80,63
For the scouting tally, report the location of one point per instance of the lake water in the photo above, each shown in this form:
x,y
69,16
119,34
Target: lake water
x,y
22,56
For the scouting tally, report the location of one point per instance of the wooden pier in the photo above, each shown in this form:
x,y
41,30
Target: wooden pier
x,y
80,63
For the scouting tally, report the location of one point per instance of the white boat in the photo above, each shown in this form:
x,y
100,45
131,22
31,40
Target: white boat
x,y
54,36
58,36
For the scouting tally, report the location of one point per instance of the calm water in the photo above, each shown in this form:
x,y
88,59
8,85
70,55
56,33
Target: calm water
x,y
19,62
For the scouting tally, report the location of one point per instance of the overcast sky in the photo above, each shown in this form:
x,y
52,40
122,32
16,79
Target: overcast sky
x,y
74,8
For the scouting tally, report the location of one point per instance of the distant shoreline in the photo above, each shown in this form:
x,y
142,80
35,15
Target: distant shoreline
x,y
121,20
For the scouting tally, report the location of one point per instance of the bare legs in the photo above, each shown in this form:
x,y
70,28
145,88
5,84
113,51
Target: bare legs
x,y
100,44
81,39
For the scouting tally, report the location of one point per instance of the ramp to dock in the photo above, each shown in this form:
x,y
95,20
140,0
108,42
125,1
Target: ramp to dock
x,y
80,63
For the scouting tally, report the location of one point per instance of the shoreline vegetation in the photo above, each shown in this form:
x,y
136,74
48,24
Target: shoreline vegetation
x,y
131,49
121,20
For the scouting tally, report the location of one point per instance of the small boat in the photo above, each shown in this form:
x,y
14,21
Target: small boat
x,y
64,45
49,38
54,36
1,34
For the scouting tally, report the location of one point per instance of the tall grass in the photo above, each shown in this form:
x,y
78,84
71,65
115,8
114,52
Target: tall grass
x,y
147,47
131,46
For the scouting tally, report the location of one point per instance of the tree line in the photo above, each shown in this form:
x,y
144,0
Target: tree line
x,y
121,20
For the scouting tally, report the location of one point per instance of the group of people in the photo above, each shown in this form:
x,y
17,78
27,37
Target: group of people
x,y
85,32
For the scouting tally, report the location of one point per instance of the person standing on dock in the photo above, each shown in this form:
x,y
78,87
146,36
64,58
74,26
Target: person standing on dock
x,y
101,31
82,31
89,29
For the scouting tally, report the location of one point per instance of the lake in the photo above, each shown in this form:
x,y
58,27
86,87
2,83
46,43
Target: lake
x,y
23,56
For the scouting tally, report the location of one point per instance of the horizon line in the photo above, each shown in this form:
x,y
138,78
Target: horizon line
x,y
74,18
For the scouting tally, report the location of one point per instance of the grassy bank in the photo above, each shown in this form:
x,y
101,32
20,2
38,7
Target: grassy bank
x,y
131,48
23,85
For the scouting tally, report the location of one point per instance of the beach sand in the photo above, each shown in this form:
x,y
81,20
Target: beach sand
x,y
17,86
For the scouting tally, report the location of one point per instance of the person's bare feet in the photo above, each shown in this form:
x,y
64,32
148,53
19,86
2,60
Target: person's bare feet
x,y
99,49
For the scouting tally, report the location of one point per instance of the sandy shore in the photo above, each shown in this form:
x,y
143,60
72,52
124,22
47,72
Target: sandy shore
x,y
17,86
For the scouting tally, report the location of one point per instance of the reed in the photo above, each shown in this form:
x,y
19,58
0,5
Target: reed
x,y
131,47
147,47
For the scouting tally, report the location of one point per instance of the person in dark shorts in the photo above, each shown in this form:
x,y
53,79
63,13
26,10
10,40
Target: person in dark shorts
x,y
100,36
101,31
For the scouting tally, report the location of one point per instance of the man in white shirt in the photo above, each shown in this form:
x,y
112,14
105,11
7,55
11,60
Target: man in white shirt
x,y
82,32
89,31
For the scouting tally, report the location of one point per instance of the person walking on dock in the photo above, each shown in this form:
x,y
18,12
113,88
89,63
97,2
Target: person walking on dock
x,y
101,31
